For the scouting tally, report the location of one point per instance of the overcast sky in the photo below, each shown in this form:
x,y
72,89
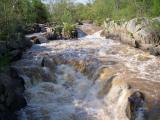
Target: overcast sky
x,y
82,1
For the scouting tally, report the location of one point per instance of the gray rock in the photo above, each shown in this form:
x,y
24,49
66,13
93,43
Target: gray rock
x,y
136,104
136,32
3,48
15,55
47,62
39,39
13,45
42,39
11,100
154,51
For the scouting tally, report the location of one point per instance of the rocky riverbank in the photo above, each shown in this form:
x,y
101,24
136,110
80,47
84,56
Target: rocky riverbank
x,y
11,94
140,33
11,83
53,32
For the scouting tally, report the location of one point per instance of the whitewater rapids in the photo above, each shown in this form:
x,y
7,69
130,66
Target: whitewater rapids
x,y
85,79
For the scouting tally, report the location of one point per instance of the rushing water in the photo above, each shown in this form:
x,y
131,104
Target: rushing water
x,y
85,79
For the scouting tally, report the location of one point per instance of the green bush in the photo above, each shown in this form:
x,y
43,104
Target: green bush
x,y
24,12
68,29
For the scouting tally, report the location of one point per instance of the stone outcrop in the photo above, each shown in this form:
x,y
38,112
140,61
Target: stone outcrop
x,y
39,39
52,33
14,48
11,84
11,94
34,28
140,33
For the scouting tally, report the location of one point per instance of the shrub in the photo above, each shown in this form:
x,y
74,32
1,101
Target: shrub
x,y
68,30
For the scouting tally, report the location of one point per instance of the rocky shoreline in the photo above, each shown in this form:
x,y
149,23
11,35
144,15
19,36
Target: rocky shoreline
x,y
140,33
11,83
11,94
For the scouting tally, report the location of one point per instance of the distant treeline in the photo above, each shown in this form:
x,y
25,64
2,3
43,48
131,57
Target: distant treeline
x,y
98,10
15,14
125,9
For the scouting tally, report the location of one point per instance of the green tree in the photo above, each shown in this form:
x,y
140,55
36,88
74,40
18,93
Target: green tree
x,y
17,13
156,8
40,11
63,11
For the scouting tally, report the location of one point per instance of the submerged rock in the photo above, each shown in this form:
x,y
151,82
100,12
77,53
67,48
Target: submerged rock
x,y
136,106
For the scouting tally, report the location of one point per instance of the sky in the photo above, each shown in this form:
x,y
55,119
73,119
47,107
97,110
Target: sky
x,y
82,1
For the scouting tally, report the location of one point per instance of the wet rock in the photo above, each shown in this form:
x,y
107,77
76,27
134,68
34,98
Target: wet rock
x,y
13,49
18,44
8,116
39,39
20,102
13,45
47,62
36,74
15,55
11,97
35,40
27,43
136,106
137,45
3,48
106,88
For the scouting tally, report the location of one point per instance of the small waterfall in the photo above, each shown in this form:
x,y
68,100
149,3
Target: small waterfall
x,y
87,79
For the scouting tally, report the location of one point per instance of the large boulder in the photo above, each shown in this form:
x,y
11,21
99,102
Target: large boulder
x,y
136,32
11,95
39,39
137,24
136,106
13,44
42,39
15,55
22,43
27,43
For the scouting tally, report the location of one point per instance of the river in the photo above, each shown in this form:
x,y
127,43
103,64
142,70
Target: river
x,y
88,79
